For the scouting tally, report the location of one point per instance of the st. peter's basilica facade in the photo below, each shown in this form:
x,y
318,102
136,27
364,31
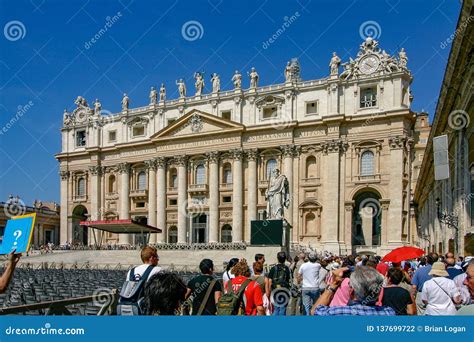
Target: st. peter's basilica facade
x,y
198,166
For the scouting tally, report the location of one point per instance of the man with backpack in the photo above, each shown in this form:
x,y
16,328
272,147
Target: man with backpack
x,y
278,285
243,295
204,290
131,294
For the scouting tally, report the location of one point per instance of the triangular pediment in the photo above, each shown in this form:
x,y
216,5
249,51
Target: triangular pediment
x,y
197,122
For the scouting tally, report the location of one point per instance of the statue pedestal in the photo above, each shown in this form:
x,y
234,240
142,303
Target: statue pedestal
x,y
270,233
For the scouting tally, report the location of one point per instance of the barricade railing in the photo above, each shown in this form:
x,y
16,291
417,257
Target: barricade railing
x,y
107,300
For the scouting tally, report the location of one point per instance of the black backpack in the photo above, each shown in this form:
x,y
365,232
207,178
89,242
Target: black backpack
x,y
280,277
132,293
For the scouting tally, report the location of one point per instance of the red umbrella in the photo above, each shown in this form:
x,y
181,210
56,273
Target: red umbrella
x,y
403,253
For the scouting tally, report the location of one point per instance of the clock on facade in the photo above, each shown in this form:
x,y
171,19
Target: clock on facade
x,y
369,64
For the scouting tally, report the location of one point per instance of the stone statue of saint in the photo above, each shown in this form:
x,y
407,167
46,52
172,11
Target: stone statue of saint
x,y
153,95
402,59
288,72
181,87
216,83
66,118
253,78
334,64
198,76
97,107
125,102
237,79
162,92
277,196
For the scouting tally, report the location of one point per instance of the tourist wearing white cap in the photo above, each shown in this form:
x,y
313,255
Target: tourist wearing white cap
x,y
440,293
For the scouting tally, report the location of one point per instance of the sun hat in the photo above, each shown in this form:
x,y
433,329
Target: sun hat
x,y
438,269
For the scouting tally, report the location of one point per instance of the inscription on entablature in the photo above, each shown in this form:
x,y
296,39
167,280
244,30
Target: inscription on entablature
x,y
198,143
269,136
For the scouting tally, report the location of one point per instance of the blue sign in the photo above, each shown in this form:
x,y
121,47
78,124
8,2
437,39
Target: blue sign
x,y
18,233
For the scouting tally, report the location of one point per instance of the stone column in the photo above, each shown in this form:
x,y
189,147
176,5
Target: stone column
x,y
181,161
213,162
348,215
332,150
151,166
124,214
252,156
384,204
161,198
288,152
96,173
395,212
65,229
237,203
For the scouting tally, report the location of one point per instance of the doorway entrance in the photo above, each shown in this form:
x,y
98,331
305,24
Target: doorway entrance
x,y
199,228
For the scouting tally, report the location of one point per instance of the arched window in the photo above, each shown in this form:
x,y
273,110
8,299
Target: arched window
x,y
367,163
112,187
271,165
173,234
200,174
173,183
227,174
226,233
311,167
81,187
141,180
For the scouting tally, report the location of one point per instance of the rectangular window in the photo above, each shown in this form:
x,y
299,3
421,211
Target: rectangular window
x,y
227,115
80,138
226,199
312,108
368,97
173,201
140,205
138,131
270,112
112,136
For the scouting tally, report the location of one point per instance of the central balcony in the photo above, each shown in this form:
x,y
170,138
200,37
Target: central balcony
x,y
198,188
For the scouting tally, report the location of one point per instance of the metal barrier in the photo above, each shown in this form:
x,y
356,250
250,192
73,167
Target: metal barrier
x,y
108,301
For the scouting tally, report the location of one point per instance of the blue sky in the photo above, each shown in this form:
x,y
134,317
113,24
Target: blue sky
x,y
50,59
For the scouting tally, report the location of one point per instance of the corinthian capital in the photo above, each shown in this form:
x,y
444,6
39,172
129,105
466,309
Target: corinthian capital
x,y
237,154
397,142
160,162
95,170
150,164
212,157
334,146
64,174
181,160
288,150
123,168
252,154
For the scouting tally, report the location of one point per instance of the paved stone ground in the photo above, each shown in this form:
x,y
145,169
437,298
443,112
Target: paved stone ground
x,y
178,259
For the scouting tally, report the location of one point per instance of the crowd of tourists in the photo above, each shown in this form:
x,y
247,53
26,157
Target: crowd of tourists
x,y
307,285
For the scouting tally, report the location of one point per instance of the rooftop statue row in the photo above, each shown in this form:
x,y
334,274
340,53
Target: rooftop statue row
x,y
370,60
